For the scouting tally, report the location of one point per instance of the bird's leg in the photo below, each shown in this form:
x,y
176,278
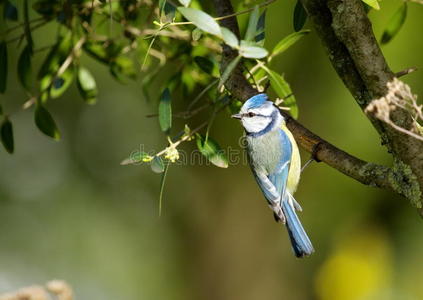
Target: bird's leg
x,y
313,156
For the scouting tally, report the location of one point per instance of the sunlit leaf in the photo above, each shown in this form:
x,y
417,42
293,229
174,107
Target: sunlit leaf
x,y
24,67
212,151
252,24
165,111
229,38
395,23
372,3
3,66
228,71
6,132
56,56
288,41
300,16
283,90
157,165
260,31
202,20
10,11
45,122
250,51
185,2
87,86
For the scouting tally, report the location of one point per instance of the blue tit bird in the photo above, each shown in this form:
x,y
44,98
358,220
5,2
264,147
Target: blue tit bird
x,y
275,161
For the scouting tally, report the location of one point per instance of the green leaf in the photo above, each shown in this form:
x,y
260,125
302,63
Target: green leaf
x,y
136,158
228,71
10,11
165,111
229,38
300,16
157,165
260,31
61,84
123,67
24,67
3,66
196,34
185,2
167,11
6,131
47,8
45,122
395,23
249,51
56,56
204,64
283,90
202,20
252,24
372,3
288,41
87,86
212,151
162,183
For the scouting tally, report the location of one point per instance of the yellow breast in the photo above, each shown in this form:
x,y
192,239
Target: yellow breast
x,y
295,167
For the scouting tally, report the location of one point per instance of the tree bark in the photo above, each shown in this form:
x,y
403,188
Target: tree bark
x,y
347,35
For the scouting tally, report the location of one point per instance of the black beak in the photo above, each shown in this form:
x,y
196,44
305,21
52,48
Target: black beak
x,y
236,116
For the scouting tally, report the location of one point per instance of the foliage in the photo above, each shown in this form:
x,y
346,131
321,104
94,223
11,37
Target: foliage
x,y
147,39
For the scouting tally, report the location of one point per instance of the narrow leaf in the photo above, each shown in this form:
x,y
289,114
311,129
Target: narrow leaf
x,y
212,151
283,90
165,111
137,157
27,27
229,38
372,3
202,20
260,32
157,165
45,122
395,23
87,86
123,67
228,71
3,66
7,135
248,51
24,67
252,24
300,16
288,41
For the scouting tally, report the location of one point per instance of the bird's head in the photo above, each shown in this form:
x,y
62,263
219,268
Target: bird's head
x,y
258,115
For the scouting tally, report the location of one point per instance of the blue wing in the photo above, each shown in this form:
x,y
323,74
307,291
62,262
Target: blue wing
x,y
274,189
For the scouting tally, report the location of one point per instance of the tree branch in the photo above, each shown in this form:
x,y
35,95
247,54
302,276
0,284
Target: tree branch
x,y
365,82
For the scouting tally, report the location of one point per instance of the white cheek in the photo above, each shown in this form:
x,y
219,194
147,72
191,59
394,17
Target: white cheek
x,y
255,124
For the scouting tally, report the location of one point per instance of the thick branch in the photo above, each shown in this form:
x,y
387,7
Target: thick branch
x,y
364,172
347,35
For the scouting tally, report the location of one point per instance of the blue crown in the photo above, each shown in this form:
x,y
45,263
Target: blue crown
x,y
255,101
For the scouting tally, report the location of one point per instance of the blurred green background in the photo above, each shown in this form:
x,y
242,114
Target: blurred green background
x,y
68,210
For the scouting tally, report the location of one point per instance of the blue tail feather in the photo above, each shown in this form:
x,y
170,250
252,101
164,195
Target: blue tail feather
x,y
300,242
